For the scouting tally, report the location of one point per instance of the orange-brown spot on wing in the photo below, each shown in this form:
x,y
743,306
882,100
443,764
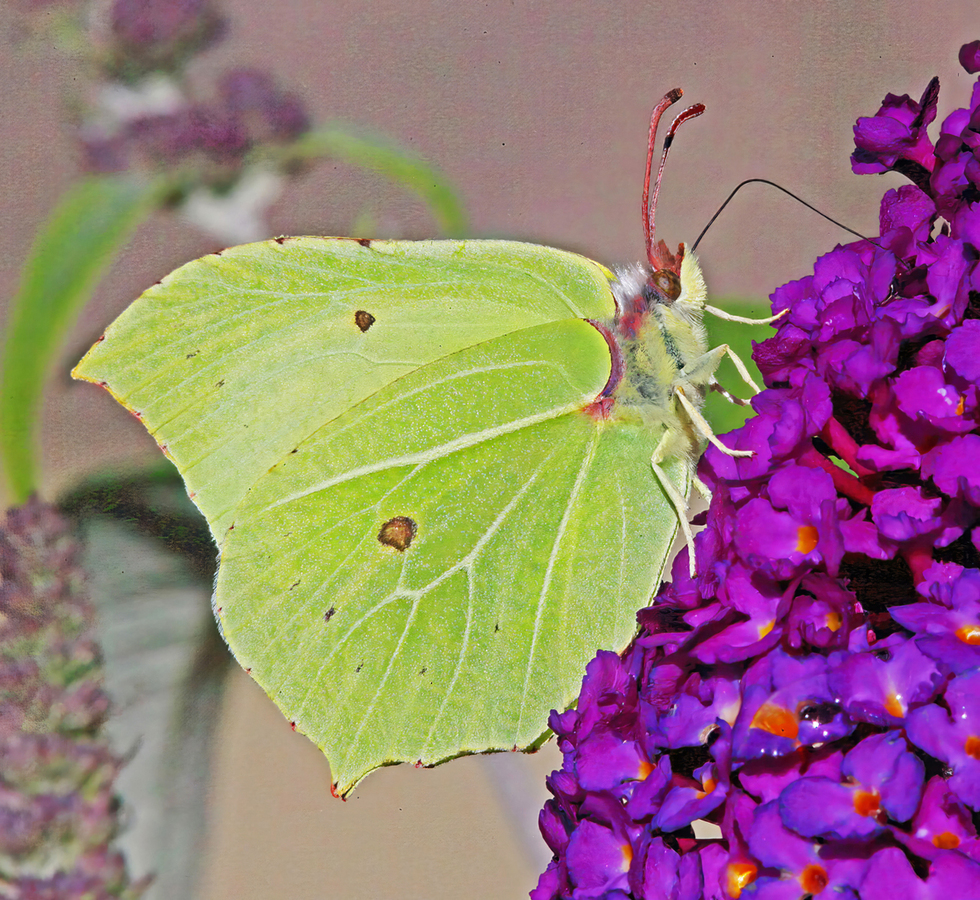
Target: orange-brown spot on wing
x,y
398,532
776,720
961,406
946,841
972,746
969,634
806,538
814,879
363,319
834,621
645,769
739,876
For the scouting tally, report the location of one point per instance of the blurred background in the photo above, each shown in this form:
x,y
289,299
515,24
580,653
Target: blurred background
x,y
536,114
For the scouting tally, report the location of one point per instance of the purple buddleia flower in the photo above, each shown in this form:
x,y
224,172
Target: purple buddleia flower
x,y
278,115
802,718
58,810
219,147
159,35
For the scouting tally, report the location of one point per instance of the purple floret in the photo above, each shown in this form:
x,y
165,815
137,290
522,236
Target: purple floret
x,y
158,35
802,718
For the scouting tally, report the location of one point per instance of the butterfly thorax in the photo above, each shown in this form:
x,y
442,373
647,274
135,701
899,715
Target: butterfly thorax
x,y
658,331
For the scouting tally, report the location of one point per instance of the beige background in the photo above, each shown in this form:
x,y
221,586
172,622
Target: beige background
x,y
538,112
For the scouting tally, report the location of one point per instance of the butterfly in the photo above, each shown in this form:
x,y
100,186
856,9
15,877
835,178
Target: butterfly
x,y
440,474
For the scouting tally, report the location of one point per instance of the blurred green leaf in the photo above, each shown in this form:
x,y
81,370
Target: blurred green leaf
x,y
722,415
91,223
389,160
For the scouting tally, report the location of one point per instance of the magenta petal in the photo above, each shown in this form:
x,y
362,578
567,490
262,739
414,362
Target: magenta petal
x,y
890,876
597,860
970,57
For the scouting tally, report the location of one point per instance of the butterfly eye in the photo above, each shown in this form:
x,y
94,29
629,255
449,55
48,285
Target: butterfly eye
x,y
667,284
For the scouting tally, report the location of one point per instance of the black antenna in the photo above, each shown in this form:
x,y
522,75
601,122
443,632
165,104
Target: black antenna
x,y
791,194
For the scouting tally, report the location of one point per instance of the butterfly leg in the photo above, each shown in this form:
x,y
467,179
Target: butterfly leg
x,y
702,425
666,450
728,395
701,487
742,370
729,317
702,370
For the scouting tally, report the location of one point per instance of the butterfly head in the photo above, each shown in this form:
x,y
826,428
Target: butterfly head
x,y
639,290
668,279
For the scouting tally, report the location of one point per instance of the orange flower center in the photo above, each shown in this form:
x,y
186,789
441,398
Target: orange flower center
x,y
969,634
946,841
708,784
627,851
739,875
894,706
867,803
776,720
814,879
806,538
972,746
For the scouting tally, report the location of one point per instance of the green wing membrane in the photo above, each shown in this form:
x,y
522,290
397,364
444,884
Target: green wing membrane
x,y
423,536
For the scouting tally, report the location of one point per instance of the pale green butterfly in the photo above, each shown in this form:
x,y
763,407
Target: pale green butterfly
x,y
441,474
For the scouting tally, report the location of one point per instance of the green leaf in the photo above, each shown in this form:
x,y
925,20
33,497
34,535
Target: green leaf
x,y
92,221
389,160
424,533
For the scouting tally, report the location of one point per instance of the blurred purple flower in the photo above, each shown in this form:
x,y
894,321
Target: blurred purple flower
x,y
216,151
278,115
814,693
58,811
160,35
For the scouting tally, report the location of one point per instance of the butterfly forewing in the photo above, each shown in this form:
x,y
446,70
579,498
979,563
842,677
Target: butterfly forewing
x,y
235,358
